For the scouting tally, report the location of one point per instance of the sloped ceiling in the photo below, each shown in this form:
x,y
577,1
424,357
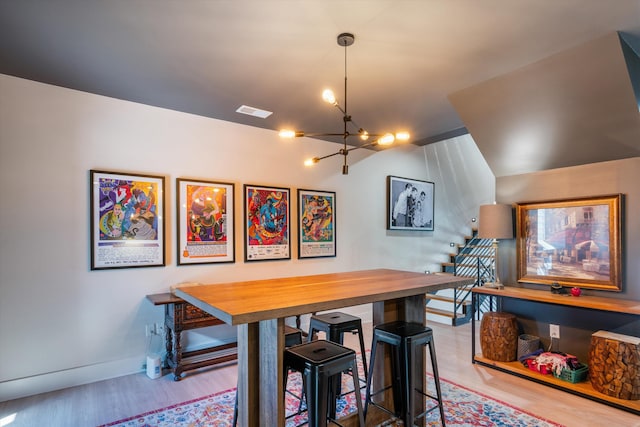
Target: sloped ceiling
x,y
572,108
435,68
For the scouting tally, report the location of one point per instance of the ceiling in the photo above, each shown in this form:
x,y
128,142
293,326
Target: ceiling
x,y
435,68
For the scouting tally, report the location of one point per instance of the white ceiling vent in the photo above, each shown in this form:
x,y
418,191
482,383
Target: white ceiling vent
x,y
255,112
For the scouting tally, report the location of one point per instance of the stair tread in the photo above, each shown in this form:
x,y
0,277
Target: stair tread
x,y
446,299
440,312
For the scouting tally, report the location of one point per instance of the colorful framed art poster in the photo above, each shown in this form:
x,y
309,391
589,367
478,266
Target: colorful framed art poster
x,y
127,220
316,224
205,222
409,204
267,223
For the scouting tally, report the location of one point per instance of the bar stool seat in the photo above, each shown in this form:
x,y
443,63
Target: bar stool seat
x,y
292,336
335,325
322,363
404,338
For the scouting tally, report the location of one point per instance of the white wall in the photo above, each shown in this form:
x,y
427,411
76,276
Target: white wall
x,y
62,324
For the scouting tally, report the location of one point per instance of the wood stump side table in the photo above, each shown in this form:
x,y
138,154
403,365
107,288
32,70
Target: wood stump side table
x,y
614,365
181,316
499,336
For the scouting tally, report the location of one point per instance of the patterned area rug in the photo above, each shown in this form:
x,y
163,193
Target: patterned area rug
x,y
463,408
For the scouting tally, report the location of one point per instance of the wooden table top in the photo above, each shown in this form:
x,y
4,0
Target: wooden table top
x,y
255,300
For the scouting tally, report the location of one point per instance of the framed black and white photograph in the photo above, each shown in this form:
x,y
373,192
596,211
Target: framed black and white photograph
x,y
205,222
316,224
409,204
127,220
267,227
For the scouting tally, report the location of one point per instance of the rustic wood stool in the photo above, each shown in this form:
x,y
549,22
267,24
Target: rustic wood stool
x,y
499,336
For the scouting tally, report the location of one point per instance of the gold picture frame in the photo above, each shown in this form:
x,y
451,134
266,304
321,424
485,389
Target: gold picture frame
x,y
573,242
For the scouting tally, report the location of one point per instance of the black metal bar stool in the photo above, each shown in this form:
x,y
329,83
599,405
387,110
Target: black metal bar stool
x,y
322,363
292,336
404,338
335,325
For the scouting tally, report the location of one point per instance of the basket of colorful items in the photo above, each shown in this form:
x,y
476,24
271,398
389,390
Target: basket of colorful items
x,y
562,365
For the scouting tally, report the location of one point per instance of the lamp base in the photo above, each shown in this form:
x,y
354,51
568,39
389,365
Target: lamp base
x,y
494,285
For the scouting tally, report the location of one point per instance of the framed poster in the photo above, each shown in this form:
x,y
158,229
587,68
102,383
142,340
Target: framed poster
x,y
267,223
127,220
205,222
316,224
409,204
573,242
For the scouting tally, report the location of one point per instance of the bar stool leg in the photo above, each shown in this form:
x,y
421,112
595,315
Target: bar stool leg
x,y
356,390
363,353
436,377
397,371
317,390
396,378
407,387
372,361
335,383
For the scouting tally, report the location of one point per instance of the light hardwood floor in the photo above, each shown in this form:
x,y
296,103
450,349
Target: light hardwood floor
x,y
111,400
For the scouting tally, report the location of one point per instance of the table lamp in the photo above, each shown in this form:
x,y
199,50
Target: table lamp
x,y
495,222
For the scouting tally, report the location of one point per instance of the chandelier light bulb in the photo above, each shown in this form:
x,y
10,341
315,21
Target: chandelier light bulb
x,y
329,97
364,135
311,162
402,136
386,139
287,133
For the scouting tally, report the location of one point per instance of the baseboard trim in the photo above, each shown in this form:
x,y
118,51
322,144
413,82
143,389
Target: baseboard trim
x,y
43,383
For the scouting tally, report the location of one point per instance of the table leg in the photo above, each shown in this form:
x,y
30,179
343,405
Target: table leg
x,y
248,375
272,372
177,354
260,373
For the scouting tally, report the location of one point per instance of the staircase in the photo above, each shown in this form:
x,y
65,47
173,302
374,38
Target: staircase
x,y
475,258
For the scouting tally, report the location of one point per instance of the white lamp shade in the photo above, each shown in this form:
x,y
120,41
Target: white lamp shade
x,y
495,222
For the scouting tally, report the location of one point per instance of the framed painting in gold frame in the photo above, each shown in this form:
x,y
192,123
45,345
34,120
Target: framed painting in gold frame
x,y
574,242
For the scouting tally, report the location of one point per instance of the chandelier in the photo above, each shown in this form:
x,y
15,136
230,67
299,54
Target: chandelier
x,y
345,39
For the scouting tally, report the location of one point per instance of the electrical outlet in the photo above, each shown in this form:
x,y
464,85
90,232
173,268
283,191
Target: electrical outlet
x,y
554,331
159,329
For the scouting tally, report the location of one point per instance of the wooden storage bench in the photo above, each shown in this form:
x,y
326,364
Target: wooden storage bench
x,y
180,316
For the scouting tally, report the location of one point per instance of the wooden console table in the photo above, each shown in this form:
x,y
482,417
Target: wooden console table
x,y
180,316
583,389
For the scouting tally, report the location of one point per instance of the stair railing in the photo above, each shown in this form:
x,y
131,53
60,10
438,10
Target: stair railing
x,y
484,272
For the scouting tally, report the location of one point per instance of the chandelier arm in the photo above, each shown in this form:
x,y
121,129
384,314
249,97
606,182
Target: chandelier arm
x,y
369,144
323,134
329,155
344,112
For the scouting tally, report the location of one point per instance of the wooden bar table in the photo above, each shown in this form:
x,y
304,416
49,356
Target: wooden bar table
x,y
259,308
